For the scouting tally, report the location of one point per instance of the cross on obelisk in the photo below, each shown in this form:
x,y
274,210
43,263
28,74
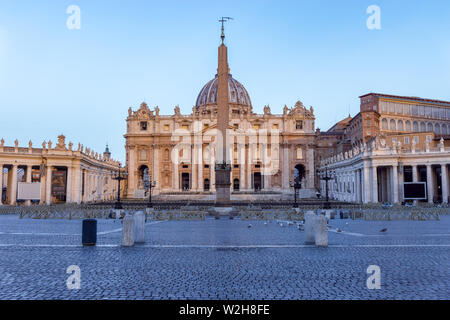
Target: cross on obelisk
x,y
222,167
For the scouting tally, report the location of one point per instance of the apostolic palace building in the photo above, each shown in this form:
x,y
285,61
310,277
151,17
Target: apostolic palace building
x,y
392,140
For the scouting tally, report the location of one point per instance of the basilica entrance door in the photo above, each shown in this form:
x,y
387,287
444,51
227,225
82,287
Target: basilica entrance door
x,y
257,183
185,182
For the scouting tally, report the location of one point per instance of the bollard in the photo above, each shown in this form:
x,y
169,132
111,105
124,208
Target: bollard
x,y
321,231
89,232
139,227
128,231
309,227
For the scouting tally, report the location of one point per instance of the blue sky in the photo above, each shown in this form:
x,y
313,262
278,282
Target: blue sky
x,y
81,82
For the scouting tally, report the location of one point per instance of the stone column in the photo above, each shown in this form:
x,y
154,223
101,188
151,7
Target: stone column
x,y
194,168
285,168
359,182
394,183
1,184
430,183
131,171
48,185
266,183
156,170
367,183
13,185
69,187
176,177
76,193
374,184
212,174
310,158
414,173
249,168
444,175
28,180
200,186
242,168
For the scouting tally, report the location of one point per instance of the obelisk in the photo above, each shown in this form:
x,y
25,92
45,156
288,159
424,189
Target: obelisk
x,y
223,166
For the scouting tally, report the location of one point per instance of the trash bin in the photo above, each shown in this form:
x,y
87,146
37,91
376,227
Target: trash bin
x,y
89,233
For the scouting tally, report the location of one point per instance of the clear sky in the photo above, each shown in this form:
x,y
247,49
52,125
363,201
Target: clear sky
x,y
81,82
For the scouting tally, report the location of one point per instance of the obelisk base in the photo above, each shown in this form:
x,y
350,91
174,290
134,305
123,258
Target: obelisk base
x,y
223,185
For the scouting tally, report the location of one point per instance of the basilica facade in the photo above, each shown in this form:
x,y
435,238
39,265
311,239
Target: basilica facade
x,y
268,152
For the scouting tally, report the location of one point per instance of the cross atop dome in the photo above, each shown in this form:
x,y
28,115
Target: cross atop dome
x,y
224,19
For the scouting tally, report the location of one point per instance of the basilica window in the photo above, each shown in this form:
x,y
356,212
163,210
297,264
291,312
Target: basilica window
x,y
437,128
435,112
400,125
144,125
299,153
408,125
392,125
430,127
415,126
255,126
384,124
275,126
166,127
185,127
422,127
444,129
236,126
299,125
421,111
406,140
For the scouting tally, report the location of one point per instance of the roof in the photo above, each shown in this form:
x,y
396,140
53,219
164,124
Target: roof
x,y
406,98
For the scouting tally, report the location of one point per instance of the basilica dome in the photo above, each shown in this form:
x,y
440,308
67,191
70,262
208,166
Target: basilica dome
x,y
237,93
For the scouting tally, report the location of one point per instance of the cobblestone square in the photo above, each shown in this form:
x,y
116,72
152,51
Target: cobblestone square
x,y
225,259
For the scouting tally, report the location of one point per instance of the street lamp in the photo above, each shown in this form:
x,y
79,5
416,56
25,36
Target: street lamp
x,y
326,178
149,185
296,184
119,176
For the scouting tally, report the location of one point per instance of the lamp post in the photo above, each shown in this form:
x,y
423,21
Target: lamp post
x,y
119,176
296,184
326,178
149,185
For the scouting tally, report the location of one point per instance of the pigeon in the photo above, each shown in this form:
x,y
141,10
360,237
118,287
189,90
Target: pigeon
x,y
265,223
383,230
338,230
249,226
281,225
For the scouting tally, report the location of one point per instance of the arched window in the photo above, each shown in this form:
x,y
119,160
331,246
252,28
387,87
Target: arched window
x,y
415,126
422,127
400,125
437,128
384,124
392,125
407,125
430,127
444,129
